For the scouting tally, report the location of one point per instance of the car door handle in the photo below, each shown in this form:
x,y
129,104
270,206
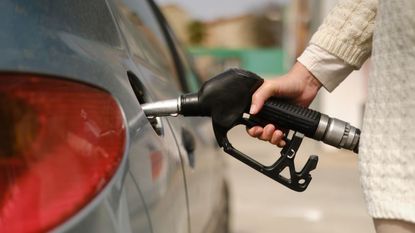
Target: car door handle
x,y
189,144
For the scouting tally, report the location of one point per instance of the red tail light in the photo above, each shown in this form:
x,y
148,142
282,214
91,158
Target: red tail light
x,y
60,143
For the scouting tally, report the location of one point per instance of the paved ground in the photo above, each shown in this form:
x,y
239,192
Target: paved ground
x,y
333,203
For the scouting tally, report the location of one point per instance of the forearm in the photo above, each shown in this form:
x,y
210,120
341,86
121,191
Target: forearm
x,y
342,43
347,31
327,68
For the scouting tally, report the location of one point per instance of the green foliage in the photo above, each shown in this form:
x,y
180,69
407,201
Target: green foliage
x,y
267,33
197,32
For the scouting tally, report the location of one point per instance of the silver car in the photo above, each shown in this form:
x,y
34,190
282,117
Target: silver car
x,y
77,153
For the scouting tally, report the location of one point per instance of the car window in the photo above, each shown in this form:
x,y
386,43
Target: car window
x,y
192,79
145,37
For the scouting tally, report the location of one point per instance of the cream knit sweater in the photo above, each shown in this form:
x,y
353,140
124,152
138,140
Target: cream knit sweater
x,y
387,147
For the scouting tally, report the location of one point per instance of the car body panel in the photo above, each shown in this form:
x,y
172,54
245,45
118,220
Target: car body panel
x,y
84,41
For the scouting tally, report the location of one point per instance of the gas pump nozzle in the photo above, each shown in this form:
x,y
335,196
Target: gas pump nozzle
x,y
226,98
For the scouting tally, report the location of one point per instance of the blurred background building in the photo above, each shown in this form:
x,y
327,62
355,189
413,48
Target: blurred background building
x,y
252,40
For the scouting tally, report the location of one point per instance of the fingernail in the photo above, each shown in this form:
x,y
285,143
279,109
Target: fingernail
x,y
252,110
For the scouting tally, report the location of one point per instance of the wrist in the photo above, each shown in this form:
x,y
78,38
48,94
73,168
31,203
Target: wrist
x,y
313,82
307,78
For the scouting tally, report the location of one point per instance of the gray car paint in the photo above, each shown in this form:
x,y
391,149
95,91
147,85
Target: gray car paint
x,y
81,40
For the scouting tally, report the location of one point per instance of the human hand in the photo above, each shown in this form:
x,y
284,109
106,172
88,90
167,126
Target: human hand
x,y
299,86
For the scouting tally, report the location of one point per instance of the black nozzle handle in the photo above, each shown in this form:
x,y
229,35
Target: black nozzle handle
x,y
287,116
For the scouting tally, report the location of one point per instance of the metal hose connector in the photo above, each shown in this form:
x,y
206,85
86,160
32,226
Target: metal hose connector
x,y
337,133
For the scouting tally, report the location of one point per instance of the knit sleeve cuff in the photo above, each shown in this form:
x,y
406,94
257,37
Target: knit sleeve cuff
x,y
352,54
327,68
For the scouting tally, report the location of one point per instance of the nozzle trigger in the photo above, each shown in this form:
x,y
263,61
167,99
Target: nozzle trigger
x,y
297,181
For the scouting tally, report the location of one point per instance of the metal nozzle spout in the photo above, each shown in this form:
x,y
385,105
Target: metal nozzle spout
x,y
162,108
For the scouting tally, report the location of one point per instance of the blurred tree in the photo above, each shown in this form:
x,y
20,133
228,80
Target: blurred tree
x,y
196,32
267,26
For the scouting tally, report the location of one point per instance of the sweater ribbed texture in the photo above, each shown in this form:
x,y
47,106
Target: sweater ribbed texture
x,y
347,31
387,146
387,158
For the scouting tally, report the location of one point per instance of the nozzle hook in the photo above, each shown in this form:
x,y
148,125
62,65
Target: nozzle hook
x,y
297,181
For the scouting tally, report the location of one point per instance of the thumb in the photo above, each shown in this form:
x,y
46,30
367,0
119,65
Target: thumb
x,y
265,91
